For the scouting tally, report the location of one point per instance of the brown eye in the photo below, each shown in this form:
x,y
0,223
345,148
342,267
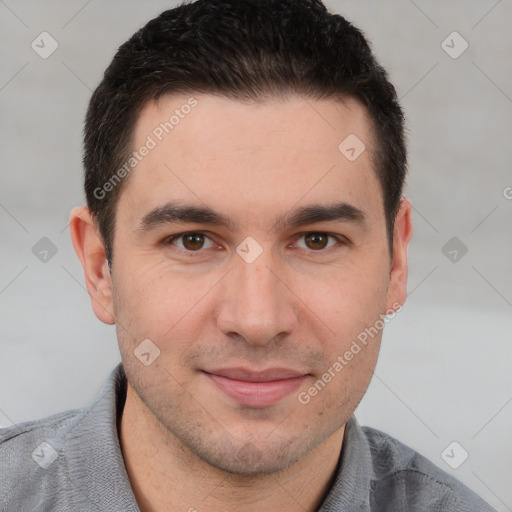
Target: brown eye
x,y
193,241
190,242
316,240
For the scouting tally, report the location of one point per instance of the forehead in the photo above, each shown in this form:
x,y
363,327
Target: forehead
x,y
270,154
303,124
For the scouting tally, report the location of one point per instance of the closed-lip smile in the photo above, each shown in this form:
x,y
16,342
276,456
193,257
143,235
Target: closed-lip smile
x,y
256,388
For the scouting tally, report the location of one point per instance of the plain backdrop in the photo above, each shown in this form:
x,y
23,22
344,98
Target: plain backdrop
x,y
444,371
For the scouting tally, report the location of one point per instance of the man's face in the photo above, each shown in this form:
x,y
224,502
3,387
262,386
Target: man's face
x,y
256,303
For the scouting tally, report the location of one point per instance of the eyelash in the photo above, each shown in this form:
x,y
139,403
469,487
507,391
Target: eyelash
x,y
339,239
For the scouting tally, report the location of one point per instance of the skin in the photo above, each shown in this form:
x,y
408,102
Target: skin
x,y
299,305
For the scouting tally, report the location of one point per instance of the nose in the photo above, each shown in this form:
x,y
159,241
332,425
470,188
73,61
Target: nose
x,y
255,303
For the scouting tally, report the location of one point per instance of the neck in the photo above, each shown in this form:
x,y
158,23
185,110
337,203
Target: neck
x,y
163,472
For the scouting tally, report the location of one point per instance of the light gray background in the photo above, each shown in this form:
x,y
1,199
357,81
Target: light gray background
x,y
444,371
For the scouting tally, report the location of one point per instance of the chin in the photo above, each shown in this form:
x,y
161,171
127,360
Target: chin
x,y
250,458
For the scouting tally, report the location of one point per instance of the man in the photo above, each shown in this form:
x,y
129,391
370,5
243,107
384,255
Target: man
x,y
247,235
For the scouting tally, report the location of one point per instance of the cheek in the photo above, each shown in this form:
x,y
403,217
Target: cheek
x,y
333,396
349,385
160,305
348,299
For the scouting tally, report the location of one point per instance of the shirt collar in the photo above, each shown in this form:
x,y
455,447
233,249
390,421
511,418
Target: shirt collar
x,y
95,461
354,473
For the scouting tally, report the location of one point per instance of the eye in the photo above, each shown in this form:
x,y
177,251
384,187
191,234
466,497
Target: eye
x,y
317,240
192,241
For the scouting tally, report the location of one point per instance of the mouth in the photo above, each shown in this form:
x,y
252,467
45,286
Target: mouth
x,y
256,389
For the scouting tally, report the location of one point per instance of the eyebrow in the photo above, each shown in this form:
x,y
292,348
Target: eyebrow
x,y
173,213
337,212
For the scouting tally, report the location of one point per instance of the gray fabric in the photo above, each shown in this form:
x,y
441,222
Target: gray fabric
x,y
81,467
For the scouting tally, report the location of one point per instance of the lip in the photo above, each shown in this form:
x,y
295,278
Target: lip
x,y
256,389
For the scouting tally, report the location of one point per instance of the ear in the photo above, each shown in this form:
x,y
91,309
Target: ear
x,y
90,250
402,233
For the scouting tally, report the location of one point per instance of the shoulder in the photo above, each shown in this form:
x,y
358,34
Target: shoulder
x,y
69,461
24,438
33,461
22,432
405,480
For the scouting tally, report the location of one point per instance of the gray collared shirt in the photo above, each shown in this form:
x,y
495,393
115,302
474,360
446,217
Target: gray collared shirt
x,y
73,462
